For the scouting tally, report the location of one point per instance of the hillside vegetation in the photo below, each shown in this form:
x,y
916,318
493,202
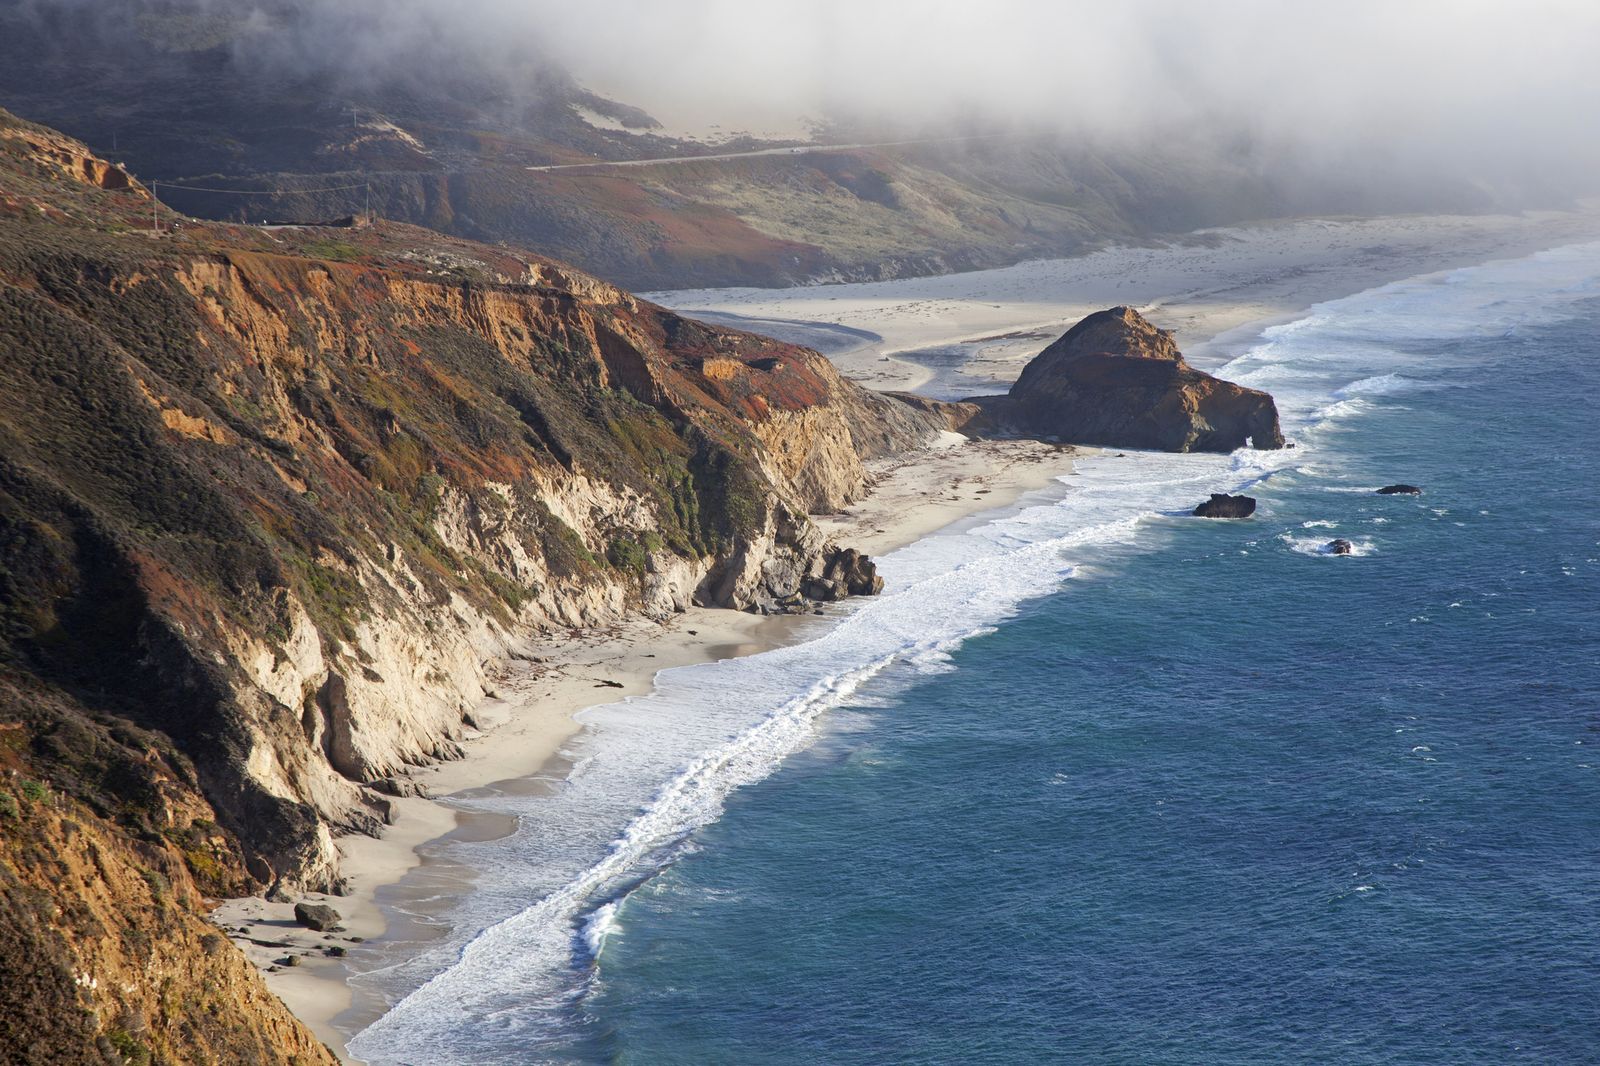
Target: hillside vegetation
x,y
273,502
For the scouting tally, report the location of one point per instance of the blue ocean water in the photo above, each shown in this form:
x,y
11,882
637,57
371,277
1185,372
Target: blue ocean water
x,y
1101,782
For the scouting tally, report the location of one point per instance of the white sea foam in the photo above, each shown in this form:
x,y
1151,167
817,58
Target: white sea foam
x,y
601,924
1320,547
650,771
1343,409
1379,385
708,730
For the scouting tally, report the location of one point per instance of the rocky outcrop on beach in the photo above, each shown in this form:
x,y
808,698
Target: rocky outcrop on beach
x,y
847,573
318,916
273,505
1222,505
957,416
1115,379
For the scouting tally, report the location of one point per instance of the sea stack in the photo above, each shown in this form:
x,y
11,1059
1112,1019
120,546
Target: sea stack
x,y
1115,379
1222,505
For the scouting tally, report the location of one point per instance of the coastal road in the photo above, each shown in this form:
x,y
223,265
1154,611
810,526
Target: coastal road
x,y
800,149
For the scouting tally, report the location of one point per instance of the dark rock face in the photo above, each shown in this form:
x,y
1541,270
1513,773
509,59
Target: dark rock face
x,y
1115,379
1338,546
318,916
1221,505
1399,490
847,573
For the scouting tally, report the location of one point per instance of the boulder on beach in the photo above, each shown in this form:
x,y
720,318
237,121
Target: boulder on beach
x,y
847,572
1338,546
1222,505
1399,490
318,916
1115,379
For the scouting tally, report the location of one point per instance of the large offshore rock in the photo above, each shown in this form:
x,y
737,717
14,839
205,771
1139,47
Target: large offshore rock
x,y
1115,379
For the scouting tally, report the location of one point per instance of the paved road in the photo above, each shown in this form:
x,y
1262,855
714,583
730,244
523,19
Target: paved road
x,y
804,149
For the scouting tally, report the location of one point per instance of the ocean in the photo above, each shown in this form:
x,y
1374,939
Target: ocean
x,y
1099,781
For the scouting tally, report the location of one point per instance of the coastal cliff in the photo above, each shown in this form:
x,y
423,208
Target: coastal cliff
x,y
1115,379
274,502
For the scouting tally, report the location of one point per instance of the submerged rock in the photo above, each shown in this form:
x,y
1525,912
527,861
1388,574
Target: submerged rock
x,y
1116,379
1338,546
1221,505
1399,490
318,916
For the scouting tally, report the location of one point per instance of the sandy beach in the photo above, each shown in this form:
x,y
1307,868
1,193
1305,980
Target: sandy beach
x,y
396,889
517,745
1209,284
888,336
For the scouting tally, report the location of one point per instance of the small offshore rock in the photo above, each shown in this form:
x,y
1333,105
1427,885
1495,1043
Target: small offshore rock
x,y
318,916
1221,505
1339,546
1399,490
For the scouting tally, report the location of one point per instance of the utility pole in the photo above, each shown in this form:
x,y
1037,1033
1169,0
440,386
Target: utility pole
x,y
155,219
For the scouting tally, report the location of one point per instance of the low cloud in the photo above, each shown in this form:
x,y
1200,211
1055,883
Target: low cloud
x,y
1477,89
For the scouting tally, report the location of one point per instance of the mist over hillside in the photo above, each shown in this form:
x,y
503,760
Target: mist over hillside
x,y
1034,129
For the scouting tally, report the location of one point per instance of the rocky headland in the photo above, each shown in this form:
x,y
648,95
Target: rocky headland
x,y
273,503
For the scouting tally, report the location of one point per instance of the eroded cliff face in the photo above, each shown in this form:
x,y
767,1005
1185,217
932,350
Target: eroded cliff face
x,y
108,853
1117,380
285,497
